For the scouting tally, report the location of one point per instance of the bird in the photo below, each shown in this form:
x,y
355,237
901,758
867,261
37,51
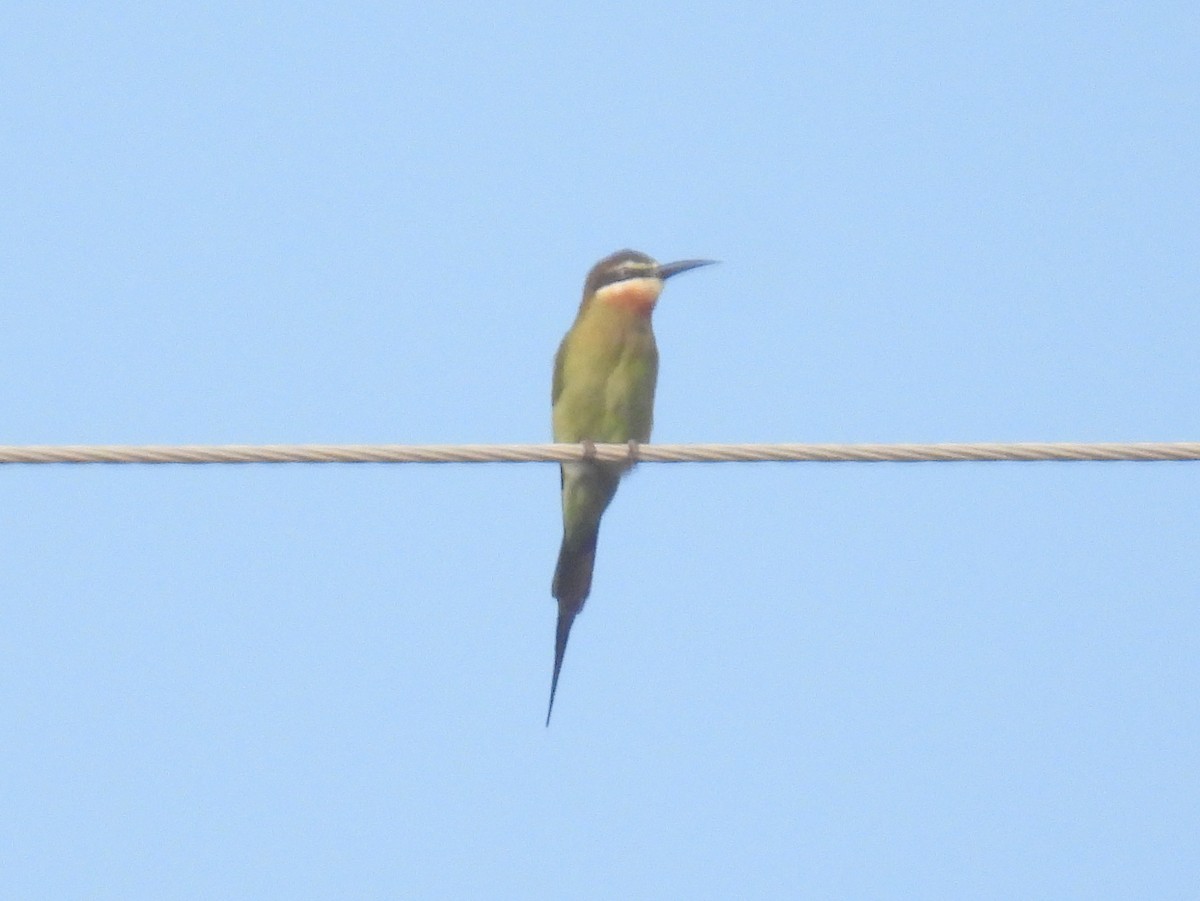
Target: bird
x,y
605,373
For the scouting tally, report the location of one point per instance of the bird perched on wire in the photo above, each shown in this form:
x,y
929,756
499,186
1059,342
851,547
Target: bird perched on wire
x,y
604,377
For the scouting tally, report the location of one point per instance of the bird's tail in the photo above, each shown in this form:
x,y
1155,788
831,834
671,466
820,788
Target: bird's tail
x,y
572,583
563,631
587,490
573,574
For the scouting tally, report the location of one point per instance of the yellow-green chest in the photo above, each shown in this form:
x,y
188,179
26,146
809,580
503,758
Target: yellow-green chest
x,y
604,377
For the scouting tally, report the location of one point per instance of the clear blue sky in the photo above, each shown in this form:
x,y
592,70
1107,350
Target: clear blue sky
x,y
279,222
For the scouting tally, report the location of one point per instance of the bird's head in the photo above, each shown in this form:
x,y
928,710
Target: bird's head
x,y
632,279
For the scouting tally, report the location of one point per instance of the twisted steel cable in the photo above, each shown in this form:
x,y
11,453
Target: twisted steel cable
x,y
1139,452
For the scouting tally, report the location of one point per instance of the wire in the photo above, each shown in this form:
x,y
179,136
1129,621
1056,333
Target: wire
x,y
617,453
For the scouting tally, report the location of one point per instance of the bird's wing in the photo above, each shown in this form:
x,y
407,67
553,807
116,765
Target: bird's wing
x,y
557,386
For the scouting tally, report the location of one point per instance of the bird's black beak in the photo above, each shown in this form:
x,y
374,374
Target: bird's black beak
x,y
666,270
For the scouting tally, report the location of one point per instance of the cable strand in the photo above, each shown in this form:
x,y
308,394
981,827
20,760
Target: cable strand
x,y
1136,452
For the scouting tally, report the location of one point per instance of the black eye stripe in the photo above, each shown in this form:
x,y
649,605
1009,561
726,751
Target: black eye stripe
x,y
618,267
622,275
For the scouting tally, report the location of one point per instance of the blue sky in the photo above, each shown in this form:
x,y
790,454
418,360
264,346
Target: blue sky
x,y
370,223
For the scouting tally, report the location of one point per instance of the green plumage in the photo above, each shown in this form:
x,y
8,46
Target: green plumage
x,y
604,377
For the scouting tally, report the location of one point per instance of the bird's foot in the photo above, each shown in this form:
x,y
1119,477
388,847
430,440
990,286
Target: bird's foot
x,y
589,449
632,459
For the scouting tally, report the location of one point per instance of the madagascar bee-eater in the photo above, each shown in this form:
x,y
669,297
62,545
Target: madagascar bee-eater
x,y
604,376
